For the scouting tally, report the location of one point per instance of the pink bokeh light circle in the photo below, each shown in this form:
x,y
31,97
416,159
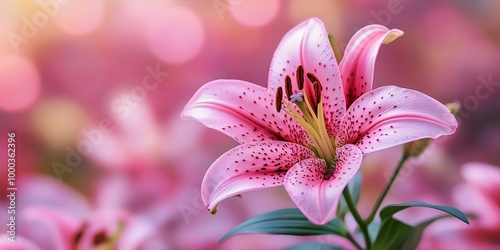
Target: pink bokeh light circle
x,y
78,17
255,13
19,83
175,35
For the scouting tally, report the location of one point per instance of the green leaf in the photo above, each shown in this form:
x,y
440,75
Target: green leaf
x,y
425,223
417,231
289,221
355,190
388,211
394,234
313,246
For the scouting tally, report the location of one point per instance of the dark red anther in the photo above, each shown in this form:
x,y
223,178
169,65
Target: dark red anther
x,y
288,87
312,77
300,77
100,238
317,91
279,98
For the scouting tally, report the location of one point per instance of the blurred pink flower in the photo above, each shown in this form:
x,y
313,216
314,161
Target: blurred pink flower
x,y
142,177
132,142
21,243
312,141
478,196
56,217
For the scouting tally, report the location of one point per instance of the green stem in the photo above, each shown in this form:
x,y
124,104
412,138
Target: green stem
x,y
357,217
387,188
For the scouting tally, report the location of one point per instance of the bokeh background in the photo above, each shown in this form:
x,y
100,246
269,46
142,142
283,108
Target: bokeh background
x,y
93,90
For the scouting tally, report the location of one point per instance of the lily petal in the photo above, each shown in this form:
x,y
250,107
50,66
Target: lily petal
x,y
60,227
316,196
307,44
21,243
390,116
358,64
242,110
484,176
248,167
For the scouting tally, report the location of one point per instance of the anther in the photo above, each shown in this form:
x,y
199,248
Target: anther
x,y
300,77
279,98
312,77
317,91
288,87
100,238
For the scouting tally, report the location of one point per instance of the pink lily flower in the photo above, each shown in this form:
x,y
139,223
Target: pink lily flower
x,y
477,195
311,136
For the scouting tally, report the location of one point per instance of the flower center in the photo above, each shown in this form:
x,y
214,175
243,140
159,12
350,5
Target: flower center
x,y
309,115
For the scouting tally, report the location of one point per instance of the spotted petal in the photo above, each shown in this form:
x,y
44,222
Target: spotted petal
x,y
242,110
249,167
308,45
314,194
390,116
358,64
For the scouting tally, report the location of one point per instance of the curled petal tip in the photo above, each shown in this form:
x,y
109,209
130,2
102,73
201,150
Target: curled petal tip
x,y
213,210
358,64
235,172
314,21
393,35
454,107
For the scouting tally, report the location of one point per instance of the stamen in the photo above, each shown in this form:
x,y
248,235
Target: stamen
x,y
312,77
317,91
318,118
279,98
300,77
308,128
288,87
309,115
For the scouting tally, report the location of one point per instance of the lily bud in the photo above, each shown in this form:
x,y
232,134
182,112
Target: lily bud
x,y
336,50
416,148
